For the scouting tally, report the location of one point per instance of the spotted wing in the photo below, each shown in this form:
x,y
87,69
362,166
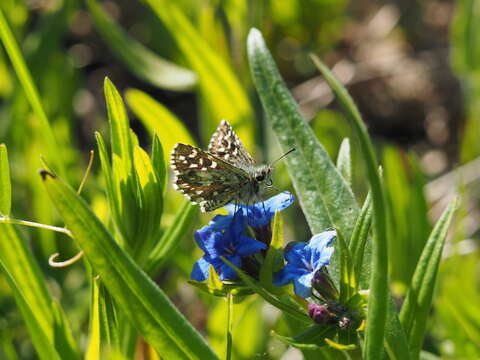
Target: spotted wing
x,y
226,145
205,179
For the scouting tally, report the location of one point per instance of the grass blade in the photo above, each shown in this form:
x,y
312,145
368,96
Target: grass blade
x,y
416,308
325,197
40,339
30,289
5,184
145,305
378,299
138,59
159,120
171,238
31,92
220,89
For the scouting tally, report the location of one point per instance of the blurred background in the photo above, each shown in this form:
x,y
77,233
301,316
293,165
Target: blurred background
x,y
411,66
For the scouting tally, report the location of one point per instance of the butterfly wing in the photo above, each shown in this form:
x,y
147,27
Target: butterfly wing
x,y
204,178
226,145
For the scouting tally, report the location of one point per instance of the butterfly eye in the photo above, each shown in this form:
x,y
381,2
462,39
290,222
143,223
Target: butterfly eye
x,y
260,177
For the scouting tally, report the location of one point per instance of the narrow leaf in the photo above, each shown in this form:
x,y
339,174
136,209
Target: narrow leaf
x,y
396,343
294,312
416,308
5,184
31,288
120,130
219,87
379,297
347,278
344,161
138,59
31,92
158,162
325,197
358,243
274,254
41,341
144,304
159,120
171,238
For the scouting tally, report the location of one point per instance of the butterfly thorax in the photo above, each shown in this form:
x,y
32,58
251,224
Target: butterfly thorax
x,y
260,178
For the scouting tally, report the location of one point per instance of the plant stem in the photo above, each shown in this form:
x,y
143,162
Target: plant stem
x,y
228,354
8,220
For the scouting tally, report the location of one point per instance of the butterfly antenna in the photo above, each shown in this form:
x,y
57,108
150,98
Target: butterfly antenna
x,y
281,157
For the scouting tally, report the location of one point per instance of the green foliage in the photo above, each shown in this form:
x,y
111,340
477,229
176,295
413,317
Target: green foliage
x,y
141,61
131,296
145,305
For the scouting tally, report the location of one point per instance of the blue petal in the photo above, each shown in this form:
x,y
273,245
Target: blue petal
x,y
220,222
289,273
320,249
303,285
248,246
226,272
215,245
200,270
203,235
298,253
261,213
279,202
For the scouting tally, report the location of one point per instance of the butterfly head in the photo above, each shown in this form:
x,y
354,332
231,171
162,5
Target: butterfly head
x,y
263,175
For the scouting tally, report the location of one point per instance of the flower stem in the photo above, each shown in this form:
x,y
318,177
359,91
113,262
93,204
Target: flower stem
x,y
8,220
228,354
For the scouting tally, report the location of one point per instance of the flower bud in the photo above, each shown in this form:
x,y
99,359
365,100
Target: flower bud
x,y
323,285
321,314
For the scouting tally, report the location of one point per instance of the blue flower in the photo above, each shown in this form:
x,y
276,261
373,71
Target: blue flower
x,y
303,260
224,236
261,213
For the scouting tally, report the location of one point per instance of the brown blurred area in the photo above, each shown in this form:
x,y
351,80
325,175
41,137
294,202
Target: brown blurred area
x,y
393,56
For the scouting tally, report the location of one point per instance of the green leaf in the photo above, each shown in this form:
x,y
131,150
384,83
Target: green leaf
x,y
5,184
416,308
359,242
325,197
119,126
145,305
347,276
150,213
274,256
40,314
220,89
255,286
158,162
171,238
113,196
138,59
103,322
313,338
379,296
41,341
396,343
344,161
159,120
49,142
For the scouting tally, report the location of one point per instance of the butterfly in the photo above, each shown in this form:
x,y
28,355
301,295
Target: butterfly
x,y
224,174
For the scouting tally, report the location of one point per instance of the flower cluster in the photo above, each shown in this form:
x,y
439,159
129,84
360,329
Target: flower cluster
x,y
243,237
225,236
